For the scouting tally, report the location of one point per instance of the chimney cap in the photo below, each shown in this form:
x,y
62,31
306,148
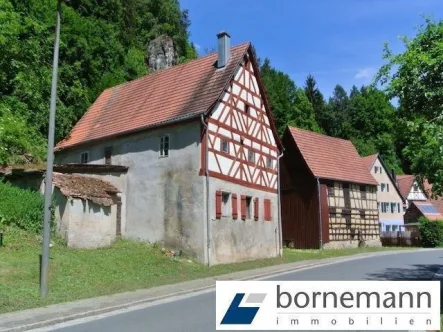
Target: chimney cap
x,y
223,33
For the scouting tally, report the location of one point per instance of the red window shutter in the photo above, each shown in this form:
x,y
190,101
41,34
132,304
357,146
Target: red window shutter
x,y
218,202
243,207
267,206
234,206
256,206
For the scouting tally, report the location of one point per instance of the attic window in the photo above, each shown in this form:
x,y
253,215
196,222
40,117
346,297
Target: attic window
x,y
247,109
84,158
251,156
164,146
108,155
224,146
269,163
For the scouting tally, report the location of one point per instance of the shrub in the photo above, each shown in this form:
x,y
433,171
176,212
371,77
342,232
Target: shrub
x,y
23,208
431,233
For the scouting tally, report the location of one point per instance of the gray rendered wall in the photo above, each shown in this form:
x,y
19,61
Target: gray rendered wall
x,y
241,240
164,196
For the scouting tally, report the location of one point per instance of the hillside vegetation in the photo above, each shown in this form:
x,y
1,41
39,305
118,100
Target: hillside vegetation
x,y
104,43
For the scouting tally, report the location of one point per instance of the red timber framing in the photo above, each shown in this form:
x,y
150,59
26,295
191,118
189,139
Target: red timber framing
x,y
242,143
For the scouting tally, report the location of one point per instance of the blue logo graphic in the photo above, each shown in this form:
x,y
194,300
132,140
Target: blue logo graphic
x,y
242,315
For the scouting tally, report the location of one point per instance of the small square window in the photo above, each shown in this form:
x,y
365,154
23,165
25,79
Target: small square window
x,y
164,146
248,207
376,169
269,163
251,156
382,187
224,146
226,204
108,155
84,158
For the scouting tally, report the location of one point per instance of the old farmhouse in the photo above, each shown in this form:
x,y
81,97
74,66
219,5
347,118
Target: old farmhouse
x,y
201,149
389,199
329,198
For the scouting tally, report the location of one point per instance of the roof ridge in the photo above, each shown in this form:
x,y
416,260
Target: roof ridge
x,y
160,71
319,134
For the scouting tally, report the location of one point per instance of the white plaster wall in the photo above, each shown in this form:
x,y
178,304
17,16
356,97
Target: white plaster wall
x,y
391,196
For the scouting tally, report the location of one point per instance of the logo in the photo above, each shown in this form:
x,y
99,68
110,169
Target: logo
x,y
243,315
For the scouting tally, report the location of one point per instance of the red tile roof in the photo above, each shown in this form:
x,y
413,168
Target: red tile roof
x,y
405,183
180,92
369,160
331,158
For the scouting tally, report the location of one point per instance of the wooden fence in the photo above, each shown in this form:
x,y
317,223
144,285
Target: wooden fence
x,y
401,239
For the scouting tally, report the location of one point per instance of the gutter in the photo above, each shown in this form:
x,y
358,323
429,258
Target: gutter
x,y
207,232
319,214
280,233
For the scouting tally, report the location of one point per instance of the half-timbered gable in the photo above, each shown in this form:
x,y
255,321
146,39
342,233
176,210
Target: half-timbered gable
x,y
337,198
242,145
201,150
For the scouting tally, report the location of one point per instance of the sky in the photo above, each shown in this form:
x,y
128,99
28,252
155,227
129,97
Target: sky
x,y
337,41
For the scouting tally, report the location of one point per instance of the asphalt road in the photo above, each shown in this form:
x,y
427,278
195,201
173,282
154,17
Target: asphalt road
x,y
197,313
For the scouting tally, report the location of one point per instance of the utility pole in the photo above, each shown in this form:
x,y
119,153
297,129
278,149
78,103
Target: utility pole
x,y
49,163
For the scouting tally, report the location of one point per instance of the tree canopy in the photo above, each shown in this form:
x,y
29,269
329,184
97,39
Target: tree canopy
x,y
103,43
415,78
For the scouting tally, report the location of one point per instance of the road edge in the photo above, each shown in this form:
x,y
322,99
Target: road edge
x,y
259,275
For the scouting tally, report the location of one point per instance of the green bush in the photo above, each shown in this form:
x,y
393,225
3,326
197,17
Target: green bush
x,y
431,233
23,208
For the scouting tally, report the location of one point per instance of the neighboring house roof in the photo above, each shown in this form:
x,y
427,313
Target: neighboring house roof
x,y
369,162
405,183
85,187
438,202
331,158
428,210
175,94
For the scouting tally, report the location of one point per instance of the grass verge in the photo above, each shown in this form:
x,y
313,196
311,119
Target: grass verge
x,y
77,273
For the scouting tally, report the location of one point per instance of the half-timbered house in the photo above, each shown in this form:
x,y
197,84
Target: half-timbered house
x,y
329,198
201,150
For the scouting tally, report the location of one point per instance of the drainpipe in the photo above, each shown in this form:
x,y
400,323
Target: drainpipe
x,y
207,224
280,233
319,214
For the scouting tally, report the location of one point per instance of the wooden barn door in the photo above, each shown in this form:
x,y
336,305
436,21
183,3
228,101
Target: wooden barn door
x,y
324,213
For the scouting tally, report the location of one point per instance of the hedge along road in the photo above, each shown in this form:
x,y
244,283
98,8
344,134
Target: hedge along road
x,y
197,312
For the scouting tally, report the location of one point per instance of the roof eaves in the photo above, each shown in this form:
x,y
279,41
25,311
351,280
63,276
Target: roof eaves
x,y
132,131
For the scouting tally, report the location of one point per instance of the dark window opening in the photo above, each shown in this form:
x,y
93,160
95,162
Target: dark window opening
x,y
363,192
108,155
363,214
84,158
247,109
331,190
248,207
164,146
269,163
225,146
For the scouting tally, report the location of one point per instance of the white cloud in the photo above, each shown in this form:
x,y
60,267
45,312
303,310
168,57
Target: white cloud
x,y
197,47
365,73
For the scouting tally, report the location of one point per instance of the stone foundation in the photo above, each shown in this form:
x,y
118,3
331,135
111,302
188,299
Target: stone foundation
x,y
351,244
